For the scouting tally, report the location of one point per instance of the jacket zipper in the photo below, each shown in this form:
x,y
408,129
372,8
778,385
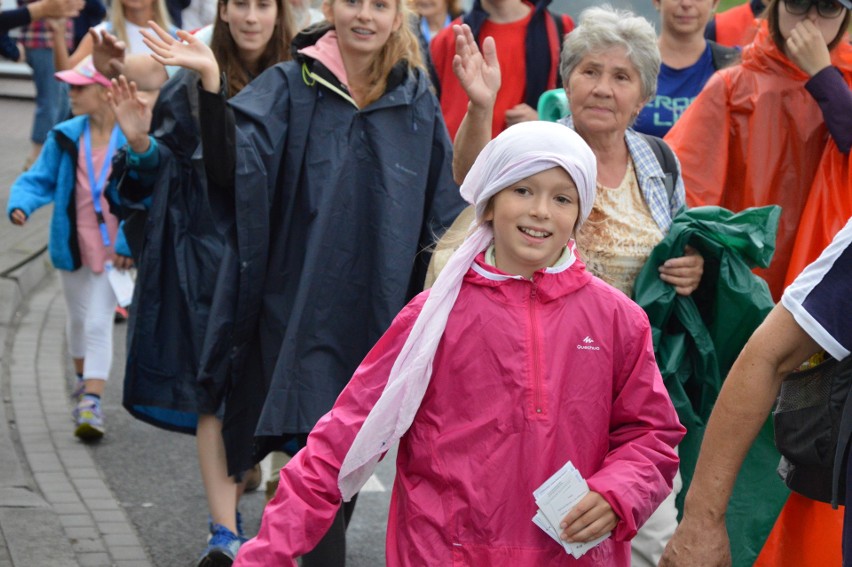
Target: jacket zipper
x,y
535,346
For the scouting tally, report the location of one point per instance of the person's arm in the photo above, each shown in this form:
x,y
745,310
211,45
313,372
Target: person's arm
x,y
55,9
10,19
186,51
835,100
308,495
62,60
36,187
479,75
808,50
776,348
637,471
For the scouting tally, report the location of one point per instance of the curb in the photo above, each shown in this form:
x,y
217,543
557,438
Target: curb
x,y
27,521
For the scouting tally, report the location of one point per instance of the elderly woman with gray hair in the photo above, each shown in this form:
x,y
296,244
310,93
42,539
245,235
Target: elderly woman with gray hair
x,y
609,69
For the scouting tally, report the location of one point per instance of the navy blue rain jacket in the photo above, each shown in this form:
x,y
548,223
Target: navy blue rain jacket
x,y
334,207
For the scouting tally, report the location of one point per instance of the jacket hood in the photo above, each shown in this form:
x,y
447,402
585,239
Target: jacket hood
x,y
414,83
764,55
549,285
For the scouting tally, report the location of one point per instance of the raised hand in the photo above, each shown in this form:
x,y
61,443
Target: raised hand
x,y
131,112
187,51
807,48
107,53
478,72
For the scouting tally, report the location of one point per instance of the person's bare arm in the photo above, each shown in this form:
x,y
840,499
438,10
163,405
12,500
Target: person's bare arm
x,y
479,75
61,58
776,348
55,9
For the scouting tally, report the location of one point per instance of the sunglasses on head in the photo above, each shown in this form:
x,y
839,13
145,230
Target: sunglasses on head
x,y
825,8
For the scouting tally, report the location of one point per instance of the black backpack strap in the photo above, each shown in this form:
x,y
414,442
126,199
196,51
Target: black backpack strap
x,y
560,33
844,435
666,158
723,56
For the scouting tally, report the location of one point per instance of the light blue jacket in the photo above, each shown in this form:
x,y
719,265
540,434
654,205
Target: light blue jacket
x,y
52,178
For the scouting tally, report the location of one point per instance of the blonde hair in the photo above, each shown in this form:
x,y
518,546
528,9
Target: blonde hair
x,y
119,23
402,45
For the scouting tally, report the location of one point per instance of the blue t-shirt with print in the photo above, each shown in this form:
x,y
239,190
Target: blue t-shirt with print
x,y
676,89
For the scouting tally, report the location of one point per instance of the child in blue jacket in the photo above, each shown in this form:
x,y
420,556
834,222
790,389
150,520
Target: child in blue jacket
x,y
85,239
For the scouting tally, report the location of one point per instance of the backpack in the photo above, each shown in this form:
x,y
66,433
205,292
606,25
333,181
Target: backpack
x,y
813,423
666,158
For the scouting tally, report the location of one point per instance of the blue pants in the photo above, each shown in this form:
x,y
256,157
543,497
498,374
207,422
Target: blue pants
x,y
52,104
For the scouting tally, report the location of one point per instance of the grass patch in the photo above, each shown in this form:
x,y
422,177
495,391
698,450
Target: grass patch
x,y
725,4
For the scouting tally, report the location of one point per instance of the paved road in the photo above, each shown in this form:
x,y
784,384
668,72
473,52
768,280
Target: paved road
x,y
154,474
142,490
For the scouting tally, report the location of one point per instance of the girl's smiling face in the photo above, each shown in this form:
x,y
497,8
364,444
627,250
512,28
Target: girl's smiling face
x,y
363,26
533,220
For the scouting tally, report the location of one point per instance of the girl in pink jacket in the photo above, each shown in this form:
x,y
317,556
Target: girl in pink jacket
x,y
515,362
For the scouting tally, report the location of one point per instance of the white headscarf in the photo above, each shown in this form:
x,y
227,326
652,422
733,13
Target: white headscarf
x,y
517,153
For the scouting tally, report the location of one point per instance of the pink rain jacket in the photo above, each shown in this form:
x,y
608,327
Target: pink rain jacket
x,y
529,375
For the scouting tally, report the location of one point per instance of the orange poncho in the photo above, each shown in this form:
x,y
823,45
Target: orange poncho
x,y
755,137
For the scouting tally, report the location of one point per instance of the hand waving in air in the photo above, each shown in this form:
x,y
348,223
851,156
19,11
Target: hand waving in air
x,y
131,112
107,53
478,72
187,51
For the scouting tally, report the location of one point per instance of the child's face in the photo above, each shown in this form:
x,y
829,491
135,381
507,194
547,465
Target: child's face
x,y
86,99
363,26
533,219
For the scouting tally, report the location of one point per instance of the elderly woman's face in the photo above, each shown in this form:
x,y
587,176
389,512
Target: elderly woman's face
x,y
605,92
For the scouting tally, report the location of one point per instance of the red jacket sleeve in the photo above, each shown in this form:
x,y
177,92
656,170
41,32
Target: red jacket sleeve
x,y
308,496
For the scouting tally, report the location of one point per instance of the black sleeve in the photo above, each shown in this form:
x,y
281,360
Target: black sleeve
x,y
14,19
218,138
835,100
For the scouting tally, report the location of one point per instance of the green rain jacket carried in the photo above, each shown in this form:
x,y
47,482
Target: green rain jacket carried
x,y
698,337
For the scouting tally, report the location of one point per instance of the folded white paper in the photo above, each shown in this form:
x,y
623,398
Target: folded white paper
x,y
555,498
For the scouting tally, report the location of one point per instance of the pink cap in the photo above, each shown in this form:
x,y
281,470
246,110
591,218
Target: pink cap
x,y
83,74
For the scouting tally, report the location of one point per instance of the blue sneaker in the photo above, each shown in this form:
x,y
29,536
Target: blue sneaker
x,y
240,533
221,549
89,419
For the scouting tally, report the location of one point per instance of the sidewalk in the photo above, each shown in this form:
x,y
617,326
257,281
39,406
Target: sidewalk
x,y
55,508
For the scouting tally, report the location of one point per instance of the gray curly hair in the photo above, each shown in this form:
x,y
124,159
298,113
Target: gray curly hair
x,y
604,27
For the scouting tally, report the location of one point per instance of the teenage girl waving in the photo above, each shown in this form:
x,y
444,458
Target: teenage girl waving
x,y
180,247
338,168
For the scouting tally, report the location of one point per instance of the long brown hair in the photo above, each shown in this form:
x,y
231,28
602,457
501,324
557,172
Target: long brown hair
x,y
402,45
228,55
771,12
